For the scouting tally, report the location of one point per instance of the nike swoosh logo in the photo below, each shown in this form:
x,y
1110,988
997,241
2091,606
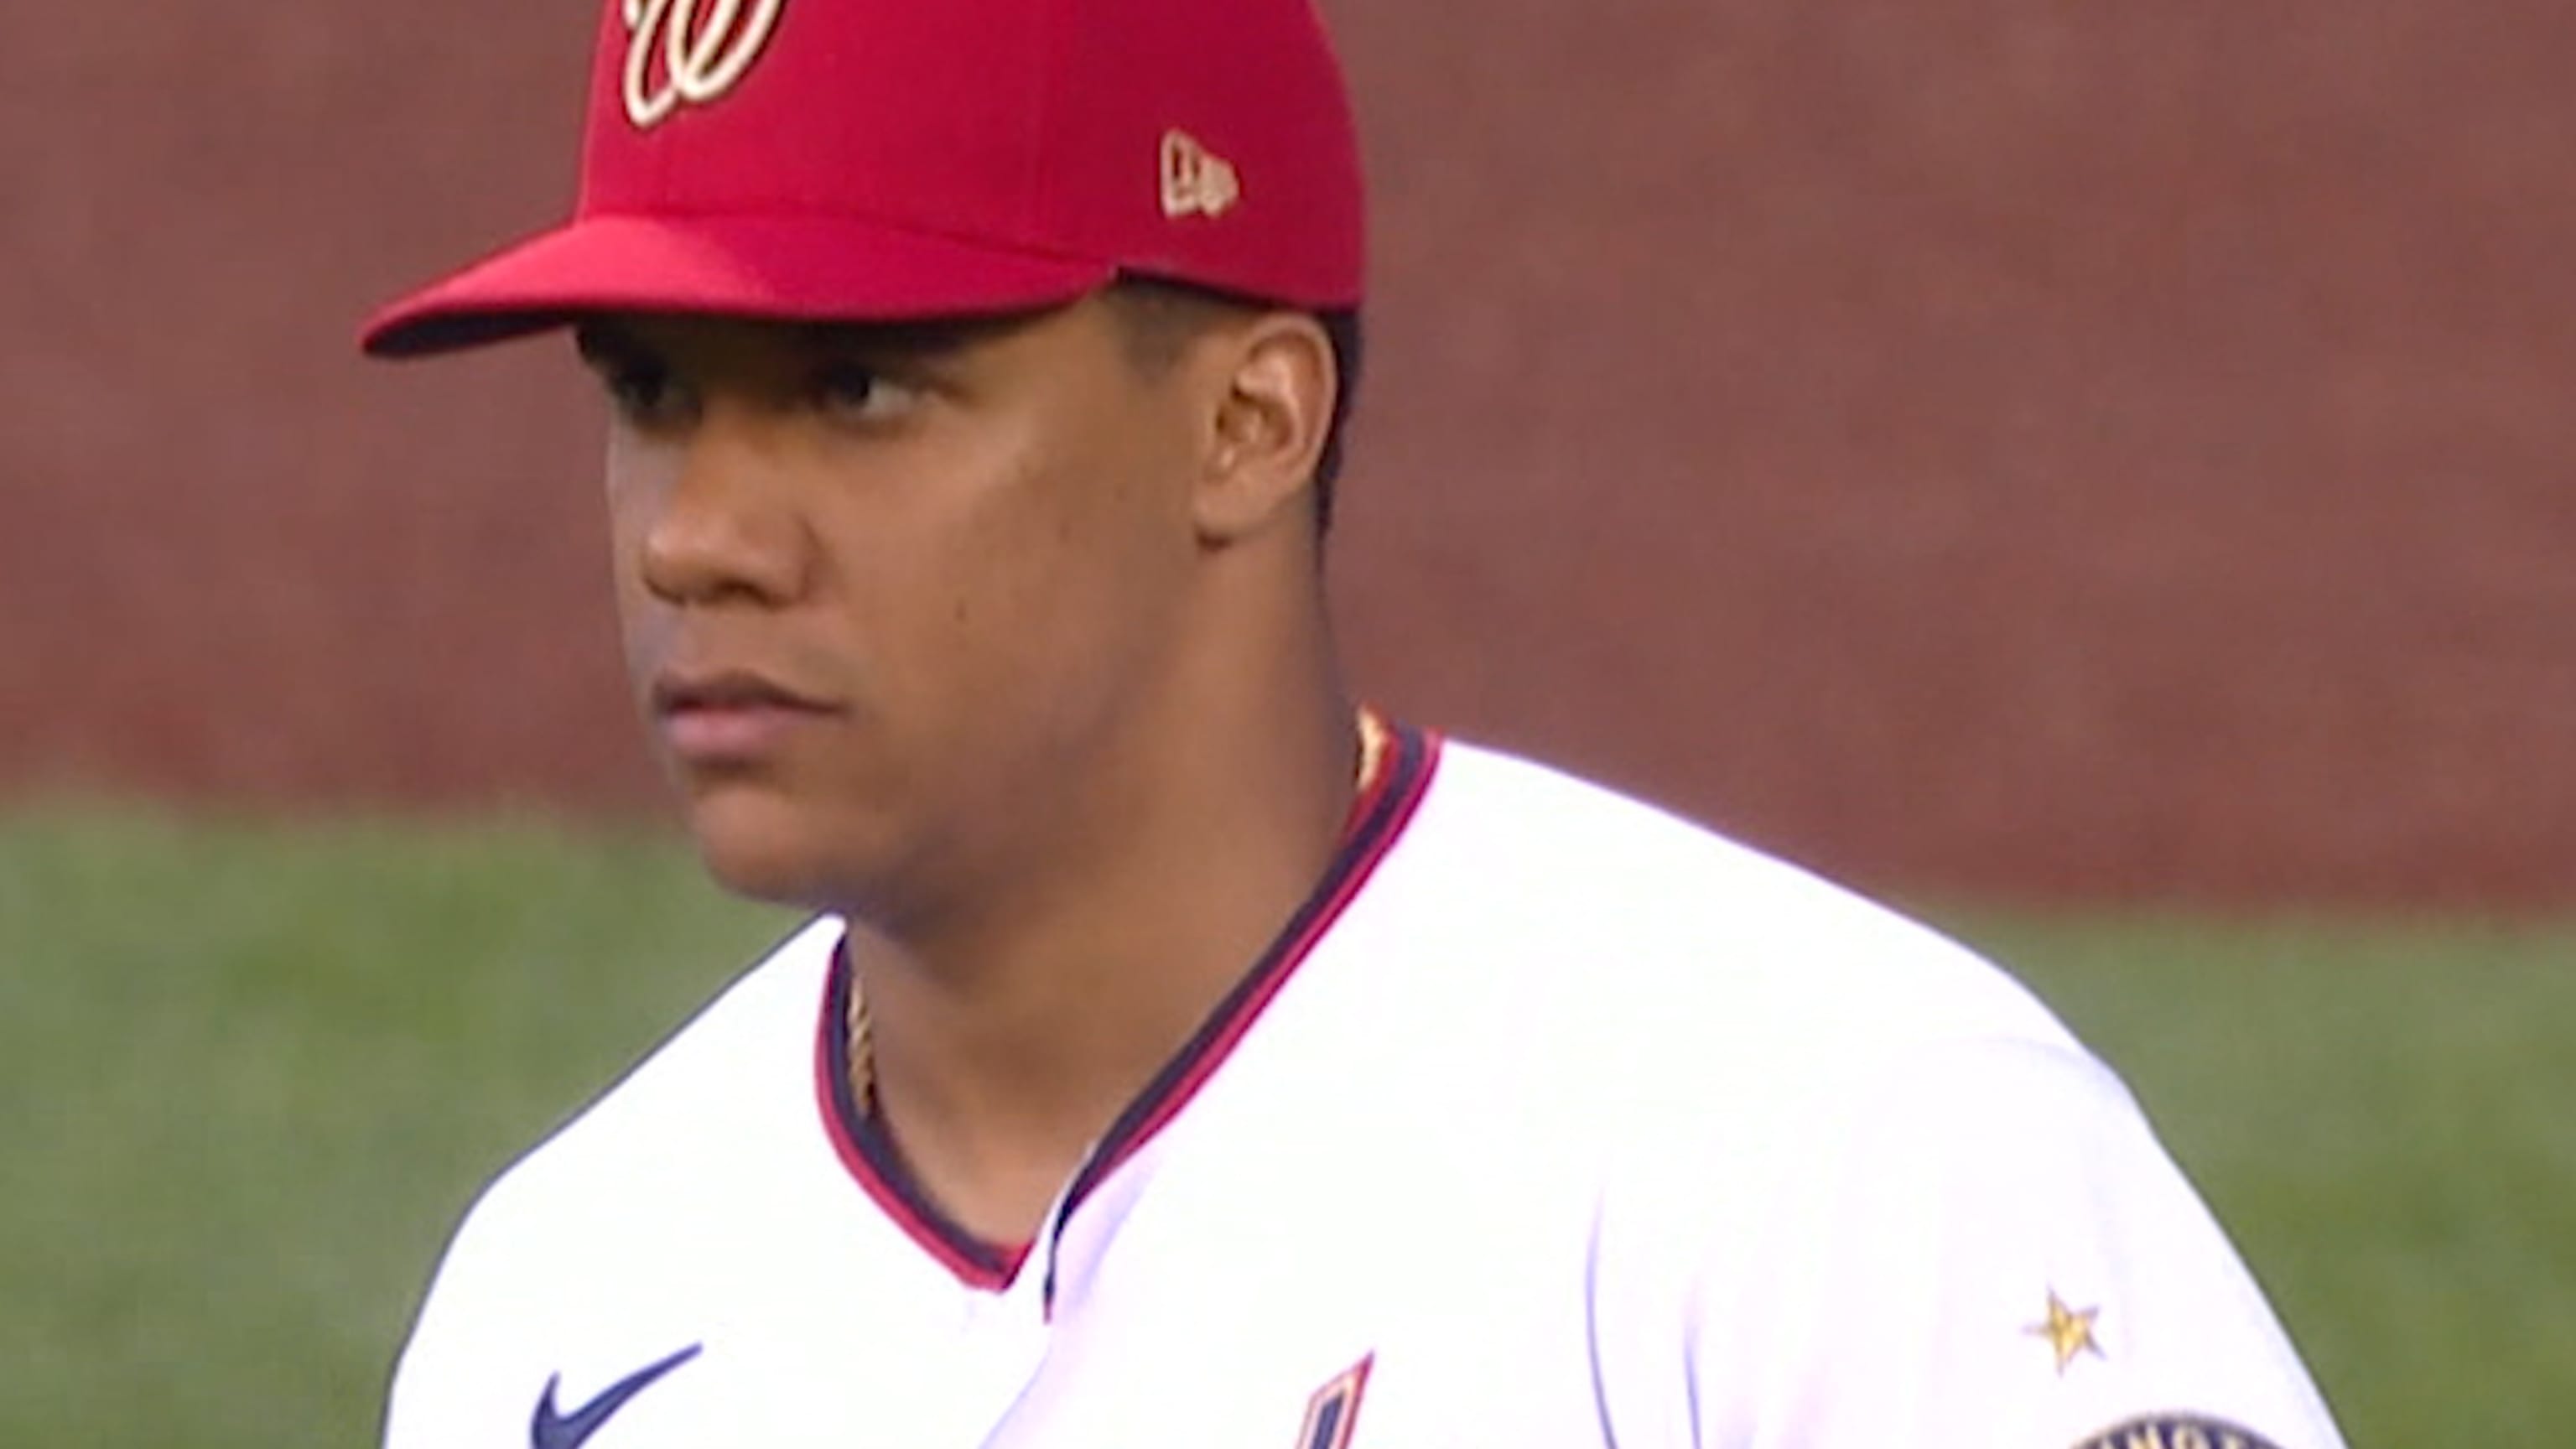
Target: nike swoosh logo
x,y
554,1429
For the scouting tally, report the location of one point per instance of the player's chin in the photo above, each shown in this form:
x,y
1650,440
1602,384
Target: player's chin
x,y
765,843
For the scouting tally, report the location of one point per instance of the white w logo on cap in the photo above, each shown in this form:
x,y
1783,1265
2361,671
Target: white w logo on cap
x,y
703,55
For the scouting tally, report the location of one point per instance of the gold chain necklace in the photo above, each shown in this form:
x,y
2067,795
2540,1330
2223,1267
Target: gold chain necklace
x,y
1374,740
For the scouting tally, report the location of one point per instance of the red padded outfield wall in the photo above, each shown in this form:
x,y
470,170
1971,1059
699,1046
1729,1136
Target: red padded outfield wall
x,y
2116,451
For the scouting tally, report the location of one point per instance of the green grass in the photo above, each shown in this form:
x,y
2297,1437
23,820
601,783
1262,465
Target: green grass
x,y
2385,1119
249,1076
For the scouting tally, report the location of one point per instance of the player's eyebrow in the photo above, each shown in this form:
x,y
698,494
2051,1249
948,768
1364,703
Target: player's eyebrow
x,y
609,342
927,338
602,342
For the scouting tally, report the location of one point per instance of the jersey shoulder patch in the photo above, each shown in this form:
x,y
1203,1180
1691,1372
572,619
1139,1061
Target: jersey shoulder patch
x,y
2177,1431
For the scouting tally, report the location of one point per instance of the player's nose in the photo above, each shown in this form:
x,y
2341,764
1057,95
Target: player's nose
x,y
725,529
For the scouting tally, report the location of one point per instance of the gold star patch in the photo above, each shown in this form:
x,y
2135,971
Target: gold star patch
x,y
2069,1331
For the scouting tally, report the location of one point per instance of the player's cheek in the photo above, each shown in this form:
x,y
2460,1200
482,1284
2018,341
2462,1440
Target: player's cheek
x,y
643,626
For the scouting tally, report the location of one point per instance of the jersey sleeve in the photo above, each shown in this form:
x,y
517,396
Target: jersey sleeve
x,y
1982,1245
471,1320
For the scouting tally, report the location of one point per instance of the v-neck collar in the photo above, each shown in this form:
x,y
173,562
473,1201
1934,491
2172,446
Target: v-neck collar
x,y
1379,813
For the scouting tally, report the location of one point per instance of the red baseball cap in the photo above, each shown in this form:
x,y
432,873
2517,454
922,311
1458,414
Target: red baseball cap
x,y
882,160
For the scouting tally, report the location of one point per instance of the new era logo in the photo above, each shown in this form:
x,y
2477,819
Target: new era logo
x,y
1196,180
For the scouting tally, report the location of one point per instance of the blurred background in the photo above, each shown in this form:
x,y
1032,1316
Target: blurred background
x,y
2099,474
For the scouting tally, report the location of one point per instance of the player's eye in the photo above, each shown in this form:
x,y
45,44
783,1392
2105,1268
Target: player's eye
x,y
860,395
645,393
641,387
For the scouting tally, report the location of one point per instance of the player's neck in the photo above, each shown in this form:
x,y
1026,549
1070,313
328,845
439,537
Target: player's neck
x,y
1006,1040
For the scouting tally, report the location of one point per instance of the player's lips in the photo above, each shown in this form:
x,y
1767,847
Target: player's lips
x,y
730,715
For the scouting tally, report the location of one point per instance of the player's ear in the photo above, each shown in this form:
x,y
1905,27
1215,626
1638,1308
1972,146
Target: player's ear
x,y
1273,403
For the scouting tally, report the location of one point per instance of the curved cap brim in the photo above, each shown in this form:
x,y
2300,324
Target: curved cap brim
x,y
806,269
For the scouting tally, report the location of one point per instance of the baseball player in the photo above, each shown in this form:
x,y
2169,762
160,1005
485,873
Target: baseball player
x,y
1179,1055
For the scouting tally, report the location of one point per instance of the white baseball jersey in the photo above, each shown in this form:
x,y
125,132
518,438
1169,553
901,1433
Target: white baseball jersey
x,y
1549,1120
